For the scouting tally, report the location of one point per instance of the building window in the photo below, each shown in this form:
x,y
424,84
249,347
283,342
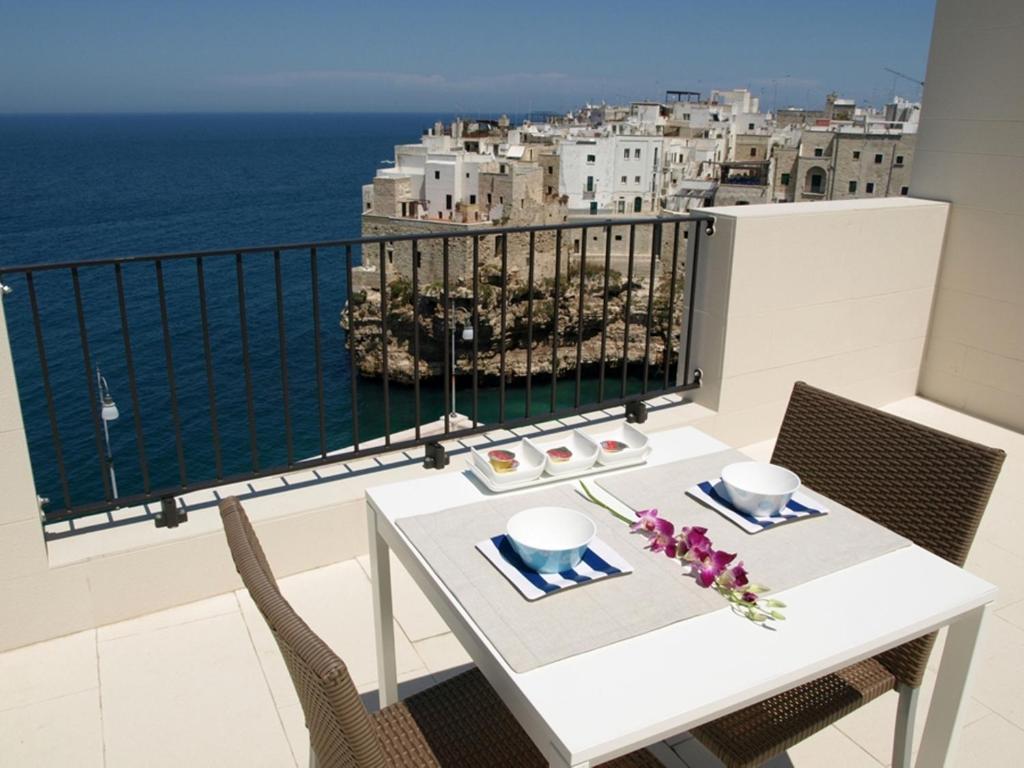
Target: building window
x,y
488,198
448,202
625,153
856,154
590,183
618,238
369,204
636,179
472,199
636,153
904,190
638,204
899,160
549,190
622,206
784,179
437,174
686,115
753,151
818,151
750,126
593,207
501,168
869,187
501,199
591,159
853,187
623,179
467,175
879,159
551,169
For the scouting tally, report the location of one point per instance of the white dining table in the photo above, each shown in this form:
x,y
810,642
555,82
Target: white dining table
x,y
592,707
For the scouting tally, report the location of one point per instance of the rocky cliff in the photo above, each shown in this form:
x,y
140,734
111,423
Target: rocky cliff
x,y
524,303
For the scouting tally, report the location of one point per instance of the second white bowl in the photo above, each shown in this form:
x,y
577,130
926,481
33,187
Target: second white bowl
x,y
759,488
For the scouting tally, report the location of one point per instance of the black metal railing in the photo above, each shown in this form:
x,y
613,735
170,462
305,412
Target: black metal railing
x,y
231,379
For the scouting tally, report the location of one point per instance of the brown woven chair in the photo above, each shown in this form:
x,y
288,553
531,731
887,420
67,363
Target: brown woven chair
x,y
460,722
926,485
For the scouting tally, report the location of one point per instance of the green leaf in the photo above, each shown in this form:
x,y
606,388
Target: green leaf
x,y
777,615
772,603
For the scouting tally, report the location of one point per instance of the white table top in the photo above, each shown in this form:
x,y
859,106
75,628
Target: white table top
x,y
611,700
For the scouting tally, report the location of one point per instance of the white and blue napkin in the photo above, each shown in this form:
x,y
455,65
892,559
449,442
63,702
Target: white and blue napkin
x,y
599,562
712,493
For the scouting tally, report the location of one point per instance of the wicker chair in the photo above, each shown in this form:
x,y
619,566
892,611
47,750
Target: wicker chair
x,y
460,722
926,485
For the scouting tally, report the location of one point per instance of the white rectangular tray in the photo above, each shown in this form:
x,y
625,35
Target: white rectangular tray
x,y
544,479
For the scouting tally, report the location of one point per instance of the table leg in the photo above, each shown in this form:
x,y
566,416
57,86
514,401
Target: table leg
x,y
942,728
383,621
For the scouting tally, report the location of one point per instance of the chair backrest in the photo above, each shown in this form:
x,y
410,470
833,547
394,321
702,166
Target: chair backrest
x,y
341,733
926,485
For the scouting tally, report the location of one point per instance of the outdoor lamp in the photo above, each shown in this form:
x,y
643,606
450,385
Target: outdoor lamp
x,y
109,411
467,333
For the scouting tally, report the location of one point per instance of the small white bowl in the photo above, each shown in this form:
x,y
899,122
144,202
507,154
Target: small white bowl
x,y
550,539
530,466
759,488
584,453
634,440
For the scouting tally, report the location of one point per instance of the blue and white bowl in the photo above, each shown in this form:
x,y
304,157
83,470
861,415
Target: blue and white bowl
x,y
759,488
550,539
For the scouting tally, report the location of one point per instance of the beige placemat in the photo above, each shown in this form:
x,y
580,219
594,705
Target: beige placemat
x,y
531,634
781,557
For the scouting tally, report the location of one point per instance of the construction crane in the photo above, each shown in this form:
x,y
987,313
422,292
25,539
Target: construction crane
x,y
896,75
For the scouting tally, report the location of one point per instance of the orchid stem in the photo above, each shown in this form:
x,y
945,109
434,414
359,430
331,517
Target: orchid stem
x,y
594,500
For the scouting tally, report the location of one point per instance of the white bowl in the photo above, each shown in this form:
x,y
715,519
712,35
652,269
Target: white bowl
x,y
584,453
634,440
550,539
758,488
530,466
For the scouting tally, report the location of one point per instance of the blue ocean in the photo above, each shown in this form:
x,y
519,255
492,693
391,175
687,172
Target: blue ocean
x,y
85,187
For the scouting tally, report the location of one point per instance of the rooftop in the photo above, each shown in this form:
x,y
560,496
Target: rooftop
x,y
212,666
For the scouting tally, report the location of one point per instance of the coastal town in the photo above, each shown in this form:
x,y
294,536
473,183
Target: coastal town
x,y
600,163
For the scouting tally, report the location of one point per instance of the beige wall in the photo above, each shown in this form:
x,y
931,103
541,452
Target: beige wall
x,y
833,293
970,151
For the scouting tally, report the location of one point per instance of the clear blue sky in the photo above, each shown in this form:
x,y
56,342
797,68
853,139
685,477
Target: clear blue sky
x,y
333,55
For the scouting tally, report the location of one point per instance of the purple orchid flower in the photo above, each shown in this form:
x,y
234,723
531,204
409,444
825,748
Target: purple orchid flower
x,y
712,566
749,597
735,577
648,521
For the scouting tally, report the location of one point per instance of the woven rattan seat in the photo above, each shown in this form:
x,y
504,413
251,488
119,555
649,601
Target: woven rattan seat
x,y
926,485
460,723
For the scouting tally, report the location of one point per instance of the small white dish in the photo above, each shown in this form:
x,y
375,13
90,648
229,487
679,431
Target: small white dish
x,y
634,441
529,463
550,539
759,488
582,453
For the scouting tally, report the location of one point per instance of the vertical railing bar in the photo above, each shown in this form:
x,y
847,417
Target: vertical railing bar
x,y
93,394
504,319
669,330
579,330
476,328
554,323
449,359
130,368
384,344
529,328
604,310
314,278
51,408
418,415
211,389
655,250
691,279
243,325
629,305
353,374
172,388
282,344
